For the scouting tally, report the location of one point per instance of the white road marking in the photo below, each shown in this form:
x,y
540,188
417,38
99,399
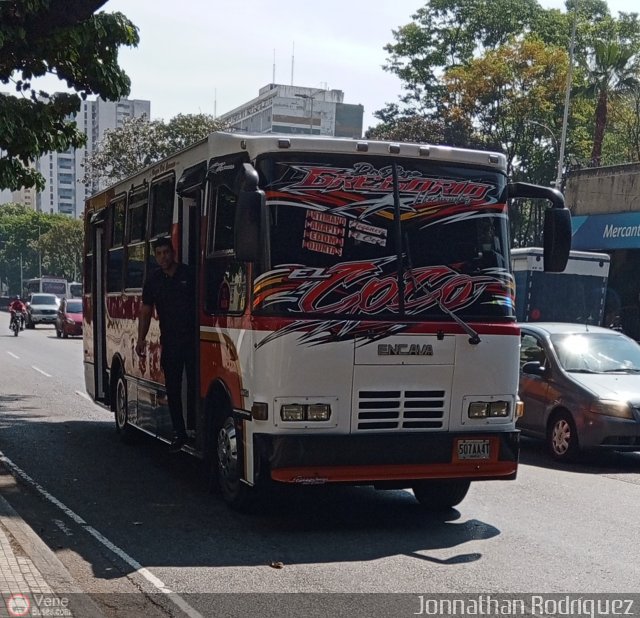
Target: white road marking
x,y
63,527
44,373
134,564
84,395
12,354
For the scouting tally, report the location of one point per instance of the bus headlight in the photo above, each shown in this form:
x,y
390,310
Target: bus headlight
x,y
488,409
318,412
292,412
305,412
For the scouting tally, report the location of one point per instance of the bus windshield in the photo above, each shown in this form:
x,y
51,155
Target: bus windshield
x,y
59,288
337,249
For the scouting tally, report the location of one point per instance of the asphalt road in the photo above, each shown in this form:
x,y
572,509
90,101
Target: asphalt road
x,y
135,519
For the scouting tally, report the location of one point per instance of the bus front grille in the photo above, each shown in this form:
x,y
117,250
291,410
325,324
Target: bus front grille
x,y
397,410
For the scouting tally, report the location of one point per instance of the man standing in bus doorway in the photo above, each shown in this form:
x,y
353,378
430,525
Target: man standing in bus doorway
x,y
171,290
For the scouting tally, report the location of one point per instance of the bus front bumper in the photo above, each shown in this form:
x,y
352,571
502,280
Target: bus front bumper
x,y
380,458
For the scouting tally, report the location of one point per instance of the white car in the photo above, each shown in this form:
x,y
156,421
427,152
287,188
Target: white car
x,y
42,309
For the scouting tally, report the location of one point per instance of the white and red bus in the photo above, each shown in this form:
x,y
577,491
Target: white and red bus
x,y
355,310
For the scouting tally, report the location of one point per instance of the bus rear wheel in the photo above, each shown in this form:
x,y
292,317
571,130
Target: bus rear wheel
x,y
440,495
236,494
121,409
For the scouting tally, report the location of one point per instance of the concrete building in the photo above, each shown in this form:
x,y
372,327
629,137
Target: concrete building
x,y
605,207
22,196
65,191
63,172
294,109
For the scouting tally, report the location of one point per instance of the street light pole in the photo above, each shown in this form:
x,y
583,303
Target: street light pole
x,y
557,183
567,97
39,255
311,98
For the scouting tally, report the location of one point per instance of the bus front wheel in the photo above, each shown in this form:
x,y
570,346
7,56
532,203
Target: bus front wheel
x,y
440,495
236,494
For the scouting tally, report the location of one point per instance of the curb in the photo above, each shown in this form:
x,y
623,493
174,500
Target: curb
x,y
47,563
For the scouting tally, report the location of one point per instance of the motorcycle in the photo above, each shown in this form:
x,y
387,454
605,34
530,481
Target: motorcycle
x,y
17,323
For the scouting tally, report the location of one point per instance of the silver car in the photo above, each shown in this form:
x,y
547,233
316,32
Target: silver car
x,y
581,388
42,309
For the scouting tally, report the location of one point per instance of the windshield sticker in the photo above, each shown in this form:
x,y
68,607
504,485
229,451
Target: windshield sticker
x,y
324,233
369,288
363,190
368,233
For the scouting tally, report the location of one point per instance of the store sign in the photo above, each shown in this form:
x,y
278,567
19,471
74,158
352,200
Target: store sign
x,y
606,232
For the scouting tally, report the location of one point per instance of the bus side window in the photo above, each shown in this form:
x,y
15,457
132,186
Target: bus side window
x,y
161,201
136,233
225,277
115,257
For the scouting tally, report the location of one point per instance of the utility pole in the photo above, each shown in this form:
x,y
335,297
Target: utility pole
x,y
567,98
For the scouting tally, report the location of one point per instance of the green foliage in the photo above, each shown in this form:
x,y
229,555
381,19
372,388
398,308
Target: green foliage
x,y
65,39
492,74
140,142
612,70
47,243
449,33
406,128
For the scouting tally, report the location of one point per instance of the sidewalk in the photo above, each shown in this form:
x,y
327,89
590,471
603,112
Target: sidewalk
x,y
33,581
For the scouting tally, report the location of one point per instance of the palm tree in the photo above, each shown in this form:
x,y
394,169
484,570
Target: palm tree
x,y
613,70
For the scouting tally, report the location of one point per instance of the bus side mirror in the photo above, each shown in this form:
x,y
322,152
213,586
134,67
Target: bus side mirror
x,y
557,223
556,239
248,218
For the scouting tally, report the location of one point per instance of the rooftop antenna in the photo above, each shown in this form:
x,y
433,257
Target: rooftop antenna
x,y
215,103
293,55
273,77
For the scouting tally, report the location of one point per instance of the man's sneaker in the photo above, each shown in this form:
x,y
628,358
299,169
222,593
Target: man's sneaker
x,y
177,444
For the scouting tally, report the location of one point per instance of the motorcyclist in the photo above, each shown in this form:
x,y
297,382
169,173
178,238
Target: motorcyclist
x,y
18,310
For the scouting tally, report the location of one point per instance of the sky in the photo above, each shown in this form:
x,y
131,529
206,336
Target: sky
x,y
210,56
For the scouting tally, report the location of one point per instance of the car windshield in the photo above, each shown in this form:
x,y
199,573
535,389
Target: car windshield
x,y
75,307
43,299
597,353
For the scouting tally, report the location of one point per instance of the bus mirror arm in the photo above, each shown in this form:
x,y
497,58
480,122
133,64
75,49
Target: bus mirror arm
x,y
557,223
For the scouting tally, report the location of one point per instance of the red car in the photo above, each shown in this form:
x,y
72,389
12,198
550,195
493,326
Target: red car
x,y
69,318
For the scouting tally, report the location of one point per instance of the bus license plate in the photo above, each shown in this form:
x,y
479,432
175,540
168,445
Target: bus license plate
x,y
474,449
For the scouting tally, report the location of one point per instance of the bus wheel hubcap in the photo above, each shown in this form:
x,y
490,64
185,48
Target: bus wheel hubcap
x,y
227,449
121,404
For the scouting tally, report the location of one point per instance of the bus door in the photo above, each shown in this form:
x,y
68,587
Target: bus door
x,y
96,383
190,192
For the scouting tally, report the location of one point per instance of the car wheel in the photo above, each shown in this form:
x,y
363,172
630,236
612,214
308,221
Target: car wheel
x,y
126,431
65,334
562,437
236,494
440,495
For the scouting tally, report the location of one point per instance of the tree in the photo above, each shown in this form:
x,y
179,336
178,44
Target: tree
x,y
405,128
498,95
446,34
61,248
125,150
22,252
186,129
140,142
612,70
64,39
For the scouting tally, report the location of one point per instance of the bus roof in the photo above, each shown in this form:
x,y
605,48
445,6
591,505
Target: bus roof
x,y
222,143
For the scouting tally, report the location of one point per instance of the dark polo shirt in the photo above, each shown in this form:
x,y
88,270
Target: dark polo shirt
x,y
174,300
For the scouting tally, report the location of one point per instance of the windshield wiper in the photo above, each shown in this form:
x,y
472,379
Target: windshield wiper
x,y
474,338
622,370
